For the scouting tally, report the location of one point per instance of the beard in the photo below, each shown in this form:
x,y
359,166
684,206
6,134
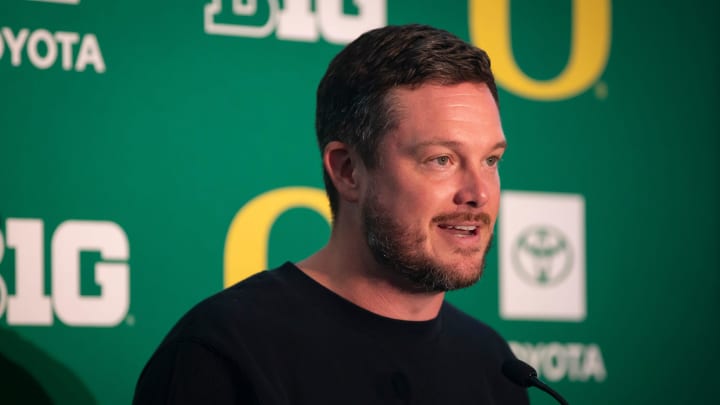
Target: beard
x,y
399,249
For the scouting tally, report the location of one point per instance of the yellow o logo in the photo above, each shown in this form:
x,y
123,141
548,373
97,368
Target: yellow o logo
x,y
589,50
246,243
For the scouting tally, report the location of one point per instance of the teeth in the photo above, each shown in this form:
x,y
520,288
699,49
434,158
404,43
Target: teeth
x,y
465,228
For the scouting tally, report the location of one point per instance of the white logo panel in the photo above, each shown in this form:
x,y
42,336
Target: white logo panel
x,y
542,256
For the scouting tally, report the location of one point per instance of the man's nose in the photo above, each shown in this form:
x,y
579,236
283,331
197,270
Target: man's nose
x,y
474,188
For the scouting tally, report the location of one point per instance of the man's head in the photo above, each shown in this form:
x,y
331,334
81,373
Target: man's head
x,y
408,123
354,103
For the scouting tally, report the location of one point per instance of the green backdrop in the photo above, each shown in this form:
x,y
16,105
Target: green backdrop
x,y
144,127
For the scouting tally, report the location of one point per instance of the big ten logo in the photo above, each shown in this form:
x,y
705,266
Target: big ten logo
x,y
246,243
71,2
296,20
590,48
29,305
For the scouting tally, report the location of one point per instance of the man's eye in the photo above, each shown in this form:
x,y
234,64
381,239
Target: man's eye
x,y
442,160
493,161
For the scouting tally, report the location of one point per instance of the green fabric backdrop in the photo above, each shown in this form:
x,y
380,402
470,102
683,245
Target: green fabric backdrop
x,y
149,130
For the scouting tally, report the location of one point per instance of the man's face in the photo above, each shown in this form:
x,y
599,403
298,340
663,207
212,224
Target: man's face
x,y
430,205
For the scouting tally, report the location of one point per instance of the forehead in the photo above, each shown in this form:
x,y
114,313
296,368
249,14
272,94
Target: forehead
x,y
466,112
438,97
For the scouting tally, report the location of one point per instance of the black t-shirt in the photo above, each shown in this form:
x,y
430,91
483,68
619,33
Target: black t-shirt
x,y
281,338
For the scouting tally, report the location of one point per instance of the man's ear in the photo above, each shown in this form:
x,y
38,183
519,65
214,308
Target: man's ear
x,y
345,169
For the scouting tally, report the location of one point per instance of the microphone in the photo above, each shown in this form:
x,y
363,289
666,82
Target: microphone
x,y
525,376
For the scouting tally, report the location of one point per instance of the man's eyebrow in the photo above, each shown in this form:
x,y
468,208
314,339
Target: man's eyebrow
x,y
500,145
451,144
437,142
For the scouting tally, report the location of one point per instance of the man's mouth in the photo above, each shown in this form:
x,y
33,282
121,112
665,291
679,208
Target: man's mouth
x,y
460,230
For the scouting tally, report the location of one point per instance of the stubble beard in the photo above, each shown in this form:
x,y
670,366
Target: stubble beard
x,y
399,250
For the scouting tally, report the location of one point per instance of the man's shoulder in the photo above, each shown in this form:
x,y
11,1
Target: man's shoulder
x,y
241,309
219,336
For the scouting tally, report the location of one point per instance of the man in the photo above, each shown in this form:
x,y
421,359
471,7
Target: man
x,y
410,136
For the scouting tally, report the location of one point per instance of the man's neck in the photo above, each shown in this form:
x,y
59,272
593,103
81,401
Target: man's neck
x,y
354,274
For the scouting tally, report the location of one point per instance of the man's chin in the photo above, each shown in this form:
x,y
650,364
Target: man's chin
x,y
441,277
464,277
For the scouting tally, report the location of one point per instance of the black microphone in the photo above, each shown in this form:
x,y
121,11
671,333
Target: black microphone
x,y
525,376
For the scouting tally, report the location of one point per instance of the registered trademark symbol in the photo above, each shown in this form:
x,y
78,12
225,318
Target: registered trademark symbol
x,y
130,320
601,90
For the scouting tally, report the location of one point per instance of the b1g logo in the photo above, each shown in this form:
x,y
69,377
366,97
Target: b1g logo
x,y
30,306
543,255
296,21
72,2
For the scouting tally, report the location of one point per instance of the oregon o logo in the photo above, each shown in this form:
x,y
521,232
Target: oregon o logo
x,y
246,243
542,255
589,49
